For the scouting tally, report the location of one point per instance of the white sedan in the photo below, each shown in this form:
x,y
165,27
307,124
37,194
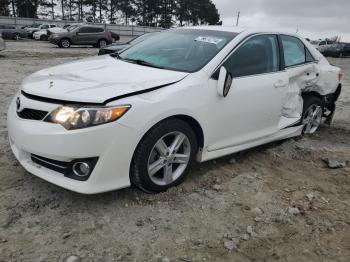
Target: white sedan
x,y
144,116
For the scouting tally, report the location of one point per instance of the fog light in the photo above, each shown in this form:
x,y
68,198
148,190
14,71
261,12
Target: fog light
x,y
81,169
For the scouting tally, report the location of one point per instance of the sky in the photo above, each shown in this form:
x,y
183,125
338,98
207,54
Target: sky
x,y
313,19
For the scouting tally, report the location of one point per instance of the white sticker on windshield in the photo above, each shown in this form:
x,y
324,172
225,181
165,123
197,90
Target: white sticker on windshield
x,y
209,39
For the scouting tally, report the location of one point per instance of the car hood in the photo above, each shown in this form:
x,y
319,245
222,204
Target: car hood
x,y
96,80
117,47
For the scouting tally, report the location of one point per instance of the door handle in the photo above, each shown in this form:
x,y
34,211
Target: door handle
x,y
280,84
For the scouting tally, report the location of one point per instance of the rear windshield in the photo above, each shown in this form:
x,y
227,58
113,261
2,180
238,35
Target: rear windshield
x,y
186,50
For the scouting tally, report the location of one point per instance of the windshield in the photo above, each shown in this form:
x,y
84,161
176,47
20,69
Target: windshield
x,y
72,27
186,50
315,42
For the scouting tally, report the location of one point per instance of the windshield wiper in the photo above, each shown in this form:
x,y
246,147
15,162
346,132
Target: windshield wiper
x,y
142,62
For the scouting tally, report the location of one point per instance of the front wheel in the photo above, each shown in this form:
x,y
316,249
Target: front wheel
x,y
164,156
312,114
64,43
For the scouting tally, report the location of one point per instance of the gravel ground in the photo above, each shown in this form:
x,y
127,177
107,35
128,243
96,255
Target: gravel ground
x,y
278,202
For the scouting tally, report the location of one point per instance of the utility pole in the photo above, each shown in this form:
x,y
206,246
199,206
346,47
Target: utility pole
x,y
238,14
53,9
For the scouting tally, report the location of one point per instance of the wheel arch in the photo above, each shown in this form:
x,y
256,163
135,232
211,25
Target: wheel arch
x,y
65,38
191,121
102,38
312,93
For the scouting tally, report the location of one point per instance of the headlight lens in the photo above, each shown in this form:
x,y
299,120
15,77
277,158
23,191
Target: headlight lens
x,y
71,117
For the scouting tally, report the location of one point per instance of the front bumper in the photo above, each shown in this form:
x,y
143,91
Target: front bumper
x,y
113,144
54,40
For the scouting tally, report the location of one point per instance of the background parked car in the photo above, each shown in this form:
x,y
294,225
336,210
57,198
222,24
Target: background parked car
x,y
119,47
2,43
322,45
82,35
44,34
11,32
32,30
115,36
338,50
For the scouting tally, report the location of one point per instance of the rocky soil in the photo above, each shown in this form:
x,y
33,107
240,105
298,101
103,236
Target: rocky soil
x,y
278,202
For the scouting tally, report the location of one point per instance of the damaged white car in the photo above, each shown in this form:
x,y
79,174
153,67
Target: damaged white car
x,y
144,116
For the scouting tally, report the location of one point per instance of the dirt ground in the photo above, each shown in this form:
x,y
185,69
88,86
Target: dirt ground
x,y
278,202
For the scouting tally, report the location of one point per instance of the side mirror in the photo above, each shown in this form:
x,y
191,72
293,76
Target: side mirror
x,y
224,82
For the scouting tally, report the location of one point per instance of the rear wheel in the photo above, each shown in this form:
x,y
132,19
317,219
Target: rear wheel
x,y
312,114
64,43
102,43
164,156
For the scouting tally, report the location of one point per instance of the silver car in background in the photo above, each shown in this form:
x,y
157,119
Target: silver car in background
x,y
2,43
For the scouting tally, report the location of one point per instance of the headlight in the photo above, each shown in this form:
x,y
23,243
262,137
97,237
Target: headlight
x,y
71,117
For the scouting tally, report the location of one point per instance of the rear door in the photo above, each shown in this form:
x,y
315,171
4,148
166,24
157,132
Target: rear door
x,y
97,34
252,108
89,35
84,35
302,71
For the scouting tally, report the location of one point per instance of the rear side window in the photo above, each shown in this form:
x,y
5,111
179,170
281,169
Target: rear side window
x,y
308,56
295,52
84,30
258,55
89,30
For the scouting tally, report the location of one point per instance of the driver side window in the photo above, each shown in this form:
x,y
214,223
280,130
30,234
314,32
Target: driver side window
x,y
258,55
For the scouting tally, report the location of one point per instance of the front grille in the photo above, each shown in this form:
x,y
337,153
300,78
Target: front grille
x,y
32,114
58,166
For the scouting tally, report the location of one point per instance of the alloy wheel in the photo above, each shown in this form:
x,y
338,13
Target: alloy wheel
x,y
312,119
65,43
169,158
16,37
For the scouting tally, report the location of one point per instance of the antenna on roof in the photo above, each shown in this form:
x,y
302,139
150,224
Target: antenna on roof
x,y
238,15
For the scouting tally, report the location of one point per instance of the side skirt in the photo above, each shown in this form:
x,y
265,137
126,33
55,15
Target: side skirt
x,y
282,134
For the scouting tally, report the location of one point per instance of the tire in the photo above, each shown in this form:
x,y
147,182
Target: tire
x,y
64,43
43,38
313,110
16,37
102,43
147,155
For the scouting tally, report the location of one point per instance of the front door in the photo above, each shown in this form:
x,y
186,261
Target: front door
x,y
252,109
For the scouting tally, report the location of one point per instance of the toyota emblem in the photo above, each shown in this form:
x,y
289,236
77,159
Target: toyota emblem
x,y
18,103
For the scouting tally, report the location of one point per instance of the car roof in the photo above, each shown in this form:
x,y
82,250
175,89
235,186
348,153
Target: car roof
x,y
245,30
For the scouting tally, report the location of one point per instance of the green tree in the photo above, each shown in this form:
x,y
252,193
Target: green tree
x,y
4,7
127,7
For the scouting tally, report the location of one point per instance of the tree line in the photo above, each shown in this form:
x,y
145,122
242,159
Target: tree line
x,y
163,13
